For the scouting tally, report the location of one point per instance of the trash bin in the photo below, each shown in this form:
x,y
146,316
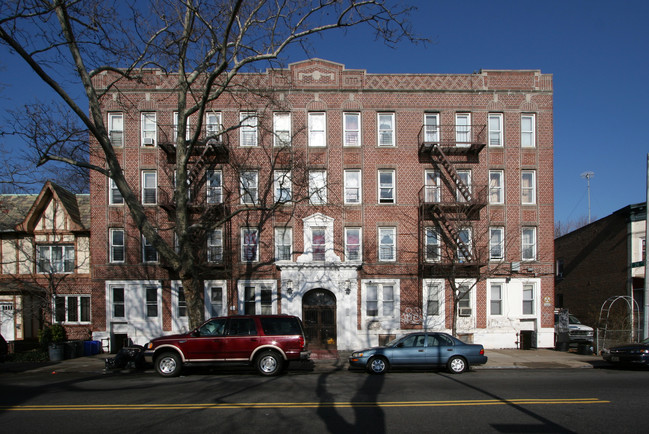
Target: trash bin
x,y
585,349
526,339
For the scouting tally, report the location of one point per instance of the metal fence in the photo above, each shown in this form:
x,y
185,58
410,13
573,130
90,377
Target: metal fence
x,y
610,338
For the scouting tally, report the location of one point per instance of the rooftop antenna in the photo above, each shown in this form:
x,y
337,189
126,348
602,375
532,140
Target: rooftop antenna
x,y
588,175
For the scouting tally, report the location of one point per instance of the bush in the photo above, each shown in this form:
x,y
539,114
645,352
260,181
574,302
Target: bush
x,y
51,334
29,356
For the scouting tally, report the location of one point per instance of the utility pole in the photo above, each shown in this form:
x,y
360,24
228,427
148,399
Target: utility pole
x,y
588,175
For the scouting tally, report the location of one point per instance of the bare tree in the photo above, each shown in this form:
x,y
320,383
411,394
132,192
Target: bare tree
x,y
205,45
562,228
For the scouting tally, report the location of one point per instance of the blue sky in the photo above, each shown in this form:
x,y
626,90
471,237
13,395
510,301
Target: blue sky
x,y
597,51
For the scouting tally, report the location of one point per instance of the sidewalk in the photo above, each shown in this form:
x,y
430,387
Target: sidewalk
x,y
498,359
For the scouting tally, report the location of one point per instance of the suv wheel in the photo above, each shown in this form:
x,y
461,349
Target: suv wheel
x,y
168,364
269,363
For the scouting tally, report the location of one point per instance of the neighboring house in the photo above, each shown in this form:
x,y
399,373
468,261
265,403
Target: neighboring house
x,y
45,263
400,168
601,260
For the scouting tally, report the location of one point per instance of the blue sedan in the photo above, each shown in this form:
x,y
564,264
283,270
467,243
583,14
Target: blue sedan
x,y
420,350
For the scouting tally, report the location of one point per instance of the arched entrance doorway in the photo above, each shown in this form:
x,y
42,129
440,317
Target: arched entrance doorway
x,y
319,315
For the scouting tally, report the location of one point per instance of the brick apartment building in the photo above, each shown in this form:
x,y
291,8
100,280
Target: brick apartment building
x,y
380,175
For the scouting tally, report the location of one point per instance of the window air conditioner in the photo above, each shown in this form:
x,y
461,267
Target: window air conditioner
x,y
148,141
465,311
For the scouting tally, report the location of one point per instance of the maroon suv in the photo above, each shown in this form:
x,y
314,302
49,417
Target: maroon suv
x,y
267,342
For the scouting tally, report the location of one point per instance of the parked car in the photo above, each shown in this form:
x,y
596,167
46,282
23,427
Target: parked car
x,y
420,350
4,349
578,333
267,342
628,354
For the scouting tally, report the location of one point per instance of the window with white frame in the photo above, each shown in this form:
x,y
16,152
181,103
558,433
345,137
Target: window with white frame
x,y
319,243
528,187
248,129
528,131
249,245
433,244
317,125
386,129
117,247
282,128
215,246
114,196
188,134
465,178
496,193
149,253
283,244
431,128
496,300
72,309
151,294
353,251
116,129
433,186
149,187
528,299
149,129
283,186
214,186
433,297
387,186
118,302
465,238
529,244
249,184
495,123
496,243
464,303
54,259
380,299
213,125
216,294
181,306
353,186
463,129
351,129
387,244
317,187
259,298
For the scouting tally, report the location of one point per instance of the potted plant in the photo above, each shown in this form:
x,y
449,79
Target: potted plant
x,y
51,338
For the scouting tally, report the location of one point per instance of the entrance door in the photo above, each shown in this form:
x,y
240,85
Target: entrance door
x,y
319,315
7,328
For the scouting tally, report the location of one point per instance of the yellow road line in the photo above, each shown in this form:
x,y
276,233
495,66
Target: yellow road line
x,y
289,405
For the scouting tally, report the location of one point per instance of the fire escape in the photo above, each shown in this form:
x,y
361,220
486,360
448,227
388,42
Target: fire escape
x,y
450,201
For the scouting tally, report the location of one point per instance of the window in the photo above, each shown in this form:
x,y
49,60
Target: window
x,y
433,298
258,298
352,186
214,186
117,245
528,187
431,128
352,129
55,259
151,301
317,129
117,296
465,240
116,129
386,129
387,244
559,268
149,187
380,299
528,135
529,244
283,244
386,186
282,129
528,299
249,187
215,246
182,303
249,245
496,303
188,134
216,301
149,129
283,186
495,129
149,253
72,308
353,244
248,129
115,196
318,243
213,125
433,244
464,303
432,182
465,181
496,194
463,129
317,187
496,243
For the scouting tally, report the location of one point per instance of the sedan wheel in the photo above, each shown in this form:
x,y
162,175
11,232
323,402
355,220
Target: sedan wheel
x,y
168,364
377,365
457,365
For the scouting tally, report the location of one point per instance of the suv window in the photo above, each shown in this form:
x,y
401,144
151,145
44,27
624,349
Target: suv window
x,y
280,326
242,327
215,327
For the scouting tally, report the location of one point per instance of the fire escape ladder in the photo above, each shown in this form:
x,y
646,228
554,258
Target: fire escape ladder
x,y
450,169
200,163
454,234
